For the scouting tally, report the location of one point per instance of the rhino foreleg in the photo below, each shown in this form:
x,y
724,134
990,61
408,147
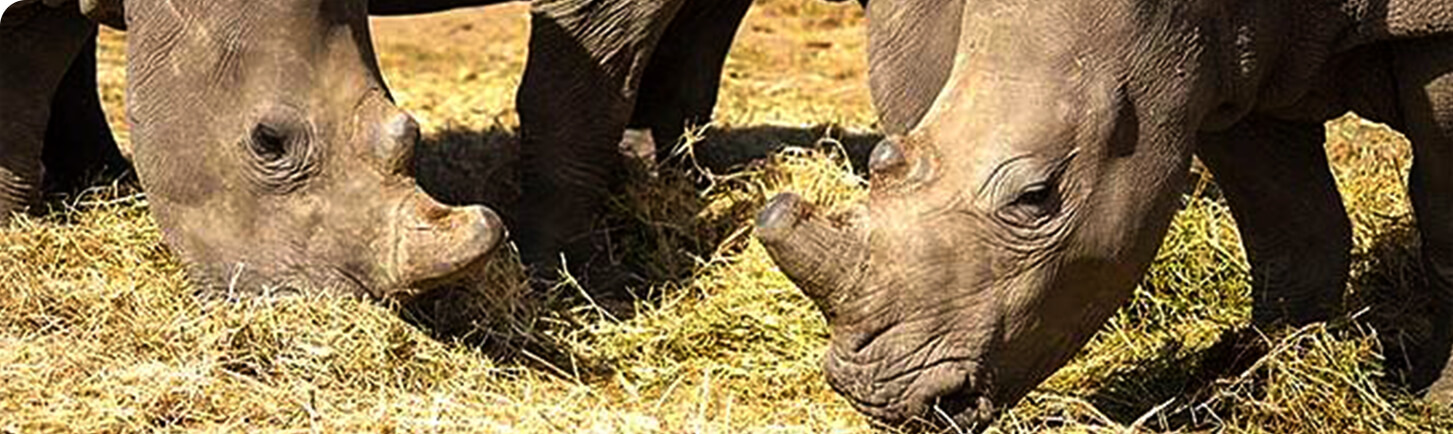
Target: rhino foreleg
x,y
1425,81
78,140
1297,236
680,85
37,44
585,62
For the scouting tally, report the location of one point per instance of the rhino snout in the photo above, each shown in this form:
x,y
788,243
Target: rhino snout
x,y
436,243
938,394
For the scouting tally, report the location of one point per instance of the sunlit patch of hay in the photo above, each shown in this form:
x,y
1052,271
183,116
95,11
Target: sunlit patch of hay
x,y
737,327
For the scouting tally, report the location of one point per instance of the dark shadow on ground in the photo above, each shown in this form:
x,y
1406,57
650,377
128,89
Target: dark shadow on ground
x,y
725,148
1399,302
1172,374
468,167
459,166
100,168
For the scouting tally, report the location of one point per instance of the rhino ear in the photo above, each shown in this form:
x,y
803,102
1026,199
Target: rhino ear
x,y
109,12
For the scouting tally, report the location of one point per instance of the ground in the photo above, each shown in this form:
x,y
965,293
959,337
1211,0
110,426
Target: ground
x,y
99,332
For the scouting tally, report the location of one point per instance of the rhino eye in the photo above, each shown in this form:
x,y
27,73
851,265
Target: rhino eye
x,y
1037,195
1032,206
268,143
280,151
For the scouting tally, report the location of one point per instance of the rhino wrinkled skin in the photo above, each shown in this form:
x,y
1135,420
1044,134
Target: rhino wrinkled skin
x,y
1036,157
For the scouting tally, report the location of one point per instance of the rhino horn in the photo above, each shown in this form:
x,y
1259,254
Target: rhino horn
x,y
825,262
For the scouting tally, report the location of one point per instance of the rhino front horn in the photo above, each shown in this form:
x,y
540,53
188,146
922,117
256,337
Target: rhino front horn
x,y
435,242
826,263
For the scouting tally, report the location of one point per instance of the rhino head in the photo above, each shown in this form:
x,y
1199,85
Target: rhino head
x,y
1014,218
273,156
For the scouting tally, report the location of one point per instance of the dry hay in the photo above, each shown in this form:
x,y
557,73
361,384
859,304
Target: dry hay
x,y
99,331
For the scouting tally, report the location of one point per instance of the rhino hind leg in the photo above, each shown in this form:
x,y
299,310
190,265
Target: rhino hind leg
x,y
78,143
1425,81
37,44
679,88
1275,176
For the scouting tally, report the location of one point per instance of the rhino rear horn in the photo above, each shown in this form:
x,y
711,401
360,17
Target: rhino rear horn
x,y
826,263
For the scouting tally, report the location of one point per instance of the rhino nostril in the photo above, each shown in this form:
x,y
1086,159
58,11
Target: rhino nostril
x,y
887,157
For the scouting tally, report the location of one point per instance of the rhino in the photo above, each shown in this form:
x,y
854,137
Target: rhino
x,y
270,150
1036,154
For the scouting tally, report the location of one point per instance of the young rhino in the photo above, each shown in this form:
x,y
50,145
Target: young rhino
x,y
270,151
1018,213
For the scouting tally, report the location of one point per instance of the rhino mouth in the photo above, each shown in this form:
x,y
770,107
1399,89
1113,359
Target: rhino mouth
x,y
936,395
932,388
965,410
237,281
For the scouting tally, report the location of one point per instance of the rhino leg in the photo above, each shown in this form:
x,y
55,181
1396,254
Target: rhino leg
x,y
680,85
78,140
1297,236
585,61
1425,80
37,43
